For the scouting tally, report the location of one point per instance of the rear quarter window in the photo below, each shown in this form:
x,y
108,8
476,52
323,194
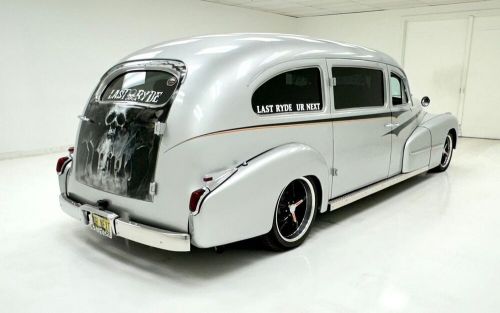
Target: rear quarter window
x,y
292,91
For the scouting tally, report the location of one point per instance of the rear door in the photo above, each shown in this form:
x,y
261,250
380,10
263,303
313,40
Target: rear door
x,y
117,146
361,115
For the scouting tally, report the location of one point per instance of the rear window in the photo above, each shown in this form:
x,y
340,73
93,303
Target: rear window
x,y
148,87
293,91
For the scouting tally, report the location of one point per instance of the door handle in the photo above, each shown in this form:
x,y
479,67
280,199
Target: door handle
x,y
391,125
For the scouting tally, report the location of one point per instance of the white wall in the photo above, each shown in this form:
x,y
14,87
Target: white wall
x,y
53,53
382,30
447,52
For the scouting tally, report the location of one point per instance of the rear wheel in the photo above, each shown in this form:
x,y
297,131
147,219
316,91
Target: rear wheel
x,y
294,215
447,154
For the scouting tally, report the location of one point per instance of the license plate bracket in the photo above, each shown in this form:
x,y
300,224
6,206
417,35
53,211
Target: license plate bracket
x,y
101,221
103,225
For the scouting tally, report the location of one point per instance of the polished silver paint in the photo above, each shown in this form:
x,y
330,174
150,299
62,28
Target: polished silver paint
x,y
362,150
439,126
417,150
211,128
247,200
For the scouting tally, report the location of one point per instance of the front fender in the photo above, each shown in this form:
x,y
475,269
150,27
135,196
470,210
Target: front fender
x,y
439,125
425,145
417,150
244,205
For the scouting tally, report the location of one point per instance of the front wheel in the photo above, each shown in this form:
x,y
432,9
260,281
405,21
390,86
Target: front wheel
x,y
295,212
447,154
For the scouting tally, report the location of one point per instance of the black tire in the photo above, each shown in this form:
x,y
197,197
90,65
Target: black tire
x,y
446,156
294,215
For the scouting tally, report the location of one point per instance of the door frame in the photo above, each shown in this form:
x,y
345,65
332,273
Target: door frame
x,y
358,112
467,44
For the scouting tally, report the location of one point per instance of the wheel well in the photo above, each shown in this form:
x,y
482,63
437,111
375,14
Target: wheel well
x,y
453,133
318,190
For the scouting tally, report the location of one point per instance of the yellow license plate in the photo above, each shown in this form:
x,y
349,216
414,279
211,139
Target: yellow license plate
x,y
101,225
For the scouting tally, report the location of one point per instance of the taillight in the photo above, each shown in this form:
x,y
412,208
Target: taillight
x,y
60,164
195,199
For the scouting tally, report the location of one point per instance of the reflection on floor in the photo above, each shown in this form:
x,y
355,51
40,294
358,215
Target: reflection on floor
x,y
427,245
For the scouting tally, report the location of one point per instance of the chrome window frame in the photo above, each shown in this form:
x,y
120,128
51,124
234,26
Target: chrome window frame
x,y
406,89
270,74
362,65
173,67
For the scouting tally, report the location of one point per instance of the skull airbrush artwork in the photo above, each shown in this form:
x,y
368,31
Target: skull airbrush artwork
x,y
117,147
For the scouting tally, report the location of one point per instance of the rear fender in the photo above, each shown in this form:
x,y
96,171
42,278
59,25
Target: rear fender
x,y
244,205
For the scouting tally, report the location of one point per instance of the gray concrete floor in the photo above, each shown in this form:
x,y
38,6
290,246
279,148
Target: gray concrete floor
x,y
429,244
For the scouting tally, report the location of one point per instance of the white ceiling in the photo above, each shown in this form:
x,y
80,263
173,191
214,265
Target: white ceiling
x,y
302,8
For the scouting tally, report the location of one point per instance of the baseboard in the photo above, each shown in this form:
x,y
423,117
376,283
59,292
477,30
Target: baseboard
x,y
484,138
30,153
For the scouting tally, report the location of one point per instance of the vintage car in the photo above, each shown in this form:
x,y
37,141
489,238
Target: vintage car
x,y
214,139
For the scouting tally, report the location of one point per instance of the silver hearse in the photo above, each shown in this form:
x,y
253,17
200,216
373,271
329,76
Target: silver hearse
x,y
210,140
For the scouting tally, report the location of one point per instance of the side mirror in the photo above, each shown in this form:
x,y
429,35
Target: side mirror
x,y
425,101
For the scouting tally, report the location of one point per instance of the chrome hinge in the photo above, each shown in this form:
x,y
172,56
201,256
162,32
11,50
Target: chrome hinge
x,y
152,188
335,172
85,119
332,81
160,128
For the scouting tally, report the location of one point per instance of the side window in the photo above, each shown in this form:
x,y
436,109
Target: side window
x,y
357,87
293,91
398,90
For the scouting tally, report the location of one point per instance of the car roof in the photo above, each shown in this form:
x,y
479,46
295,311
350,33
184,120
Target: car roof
x,y
259,50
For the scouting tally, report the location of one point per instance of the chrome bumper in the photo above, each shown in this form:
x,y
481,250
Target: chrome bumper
x,y
151,236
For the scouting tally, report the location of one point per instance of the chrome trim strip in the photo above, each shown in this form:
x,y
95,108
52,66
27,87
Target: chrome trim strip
x,y
63,176
65,164
371,189
144,234
206,192
336,119
218,178
426,149
72,208
152,236
176,68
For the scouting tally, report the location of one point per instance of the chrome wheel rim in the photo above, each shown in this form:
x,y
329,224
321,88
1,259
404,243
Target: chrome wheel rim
x,y
448,148
295,209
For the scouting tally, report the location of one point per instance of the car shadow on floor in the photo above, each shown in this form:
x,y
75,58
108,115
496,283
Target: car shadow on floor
x,y
201,264
198,264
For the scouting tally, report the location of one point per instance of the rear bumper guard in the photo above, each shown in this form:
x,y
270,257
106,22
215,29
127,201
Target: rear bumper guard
x,y
147,235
